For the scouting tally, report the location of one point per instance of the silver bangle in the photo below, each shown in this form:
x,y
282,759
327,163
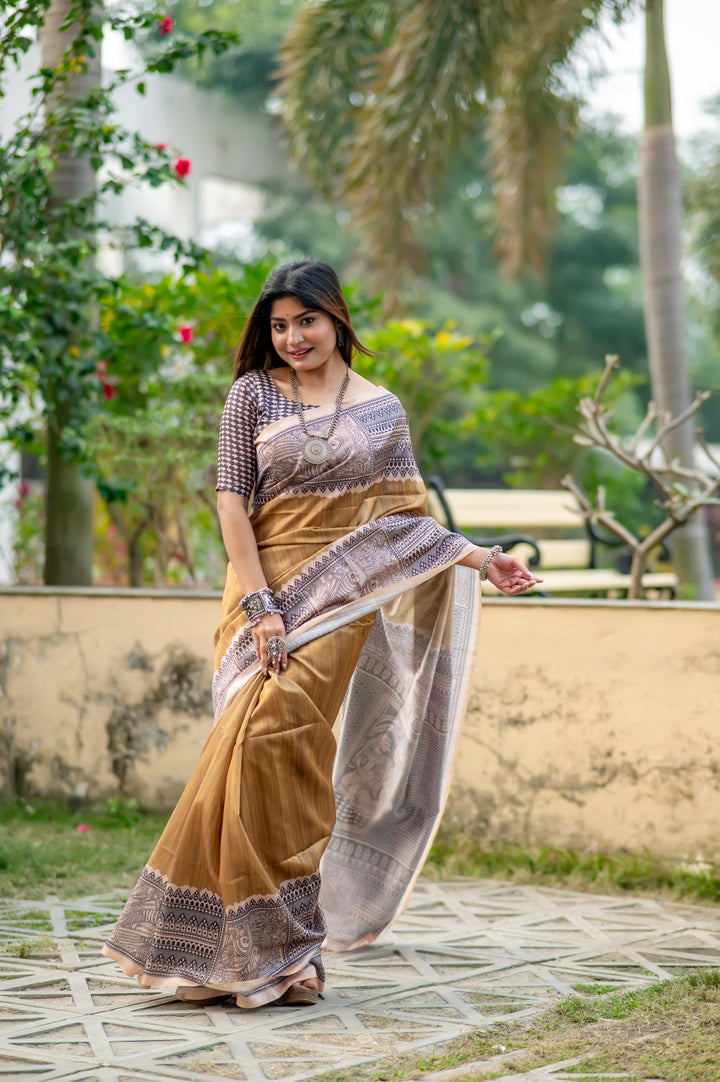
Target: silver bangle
x,y
259,604
494,551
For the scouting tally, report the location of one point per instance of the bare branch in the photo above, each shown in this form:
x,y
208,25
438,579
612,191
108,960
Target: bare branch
x,y
612,363
650,416
671,422
603,518
700,437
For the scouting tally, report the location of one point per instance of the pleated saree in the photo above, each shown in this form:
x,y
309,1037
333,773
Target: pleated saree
x,y
282,842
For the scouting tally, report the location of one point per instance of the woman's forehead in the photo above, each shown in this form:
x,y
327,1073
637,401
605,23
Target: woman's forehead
x,y
289,308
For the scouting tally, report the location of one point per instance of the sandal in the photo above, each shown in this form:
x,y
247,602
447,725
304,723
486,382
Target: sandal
x,y
298,995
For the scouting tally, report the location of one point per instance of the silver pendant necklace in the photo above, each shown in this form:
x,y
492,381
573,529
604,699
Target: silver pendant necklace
x,y
315,449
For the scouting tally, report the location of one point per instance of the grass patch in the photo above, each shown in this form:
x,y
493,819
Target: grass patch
x,y
604,873
669,1030
26,948
43,852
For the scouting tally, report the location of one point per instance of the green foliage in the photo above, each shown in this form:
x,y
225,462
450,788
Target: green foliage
x,y
437,375
59,167
154,443
380,97
247,69
29,536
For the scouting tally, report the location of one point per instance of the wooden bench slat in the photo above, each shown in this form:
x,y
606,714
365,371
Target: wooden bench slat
x,y
490,509
557,552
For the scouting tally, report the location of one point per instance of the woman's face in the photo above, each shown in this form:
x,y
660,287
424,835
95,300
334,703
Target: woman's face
x,y
304,338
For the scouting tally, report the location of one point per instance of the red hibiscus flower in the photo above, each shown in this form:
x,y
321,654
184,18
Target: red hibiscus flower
x,y
186,333
109,390
166,25
182,166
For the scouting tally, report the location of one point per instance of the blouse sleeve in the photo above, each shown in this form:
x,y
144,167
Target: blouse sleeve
x,y
237,468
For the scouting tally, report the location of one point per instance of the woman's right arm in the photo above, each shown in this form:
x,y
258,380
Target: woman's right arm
x,y
243,554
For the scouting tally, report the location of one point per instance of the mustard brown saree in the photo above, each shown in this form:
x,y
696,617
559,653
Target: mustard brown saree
x,y
282,842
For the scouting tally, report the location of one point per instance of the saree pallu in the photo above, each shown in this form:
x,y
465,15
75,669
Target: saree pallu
x,y
271,851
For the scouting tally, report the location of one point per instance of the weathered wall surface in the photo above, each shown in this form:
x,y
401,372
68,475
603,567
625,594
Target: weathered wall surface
x,y
589,725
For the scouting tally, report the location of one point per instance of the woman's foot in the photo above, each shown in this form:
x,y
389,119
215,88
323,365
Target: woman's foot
x,y
302,994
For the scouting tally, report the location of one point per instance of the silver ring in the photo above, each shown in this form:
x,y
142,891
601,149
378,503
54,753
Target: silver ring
x,y
276,647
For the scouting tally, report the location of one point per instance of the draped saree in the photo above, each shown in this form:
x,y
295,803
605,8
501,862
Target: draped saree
x,y
281,841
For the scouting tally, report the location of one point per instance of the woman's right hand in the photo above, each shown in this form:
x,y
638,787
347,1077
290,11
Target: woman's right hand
x,y
268,627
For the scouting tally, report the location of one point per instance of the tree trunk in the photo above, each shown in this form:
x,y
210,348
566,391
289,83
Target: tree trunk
x,y
660,206
69,495
69,514
637,570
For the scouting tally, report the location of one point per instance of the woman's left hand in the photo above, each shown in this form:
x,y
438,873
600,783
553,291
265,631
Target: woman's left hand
x,y
509,575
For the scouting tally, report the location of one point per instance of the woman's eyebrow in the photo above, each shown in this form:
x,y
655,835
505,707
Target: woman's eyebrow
x,y
281,319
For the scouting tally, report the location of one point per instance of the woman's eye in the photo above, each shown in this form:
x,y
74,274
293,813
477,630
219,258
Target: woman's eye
x,y
309,319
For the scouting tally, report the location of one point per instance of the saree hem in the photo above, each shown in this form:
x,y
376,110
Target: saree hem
x,y
254,993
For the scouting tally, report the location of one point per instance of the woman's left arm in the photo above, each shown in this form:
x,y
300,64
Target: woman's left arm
x,y
505,572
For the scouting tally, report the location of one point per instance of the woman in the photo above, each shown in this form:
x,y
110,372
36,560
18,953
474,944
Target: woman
x,y
340,592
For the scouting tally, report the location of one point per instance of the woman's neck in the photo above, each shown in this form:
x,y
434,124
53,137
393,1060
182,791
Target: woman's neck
x,y
326,377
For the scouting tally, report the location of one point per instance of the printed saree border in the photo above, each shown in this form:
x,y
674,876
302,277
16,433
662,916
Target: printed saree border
x,y
323,625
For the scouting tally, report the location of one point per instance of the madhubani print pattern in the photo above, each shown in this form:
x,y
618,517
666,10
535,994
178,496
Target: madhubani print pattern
x,y
381,553
371,443
253,403
188,935
400,724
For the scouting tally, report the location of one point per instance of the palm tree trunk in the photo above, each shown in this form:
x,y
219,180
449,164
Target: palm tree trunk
x,y
69,495
660,206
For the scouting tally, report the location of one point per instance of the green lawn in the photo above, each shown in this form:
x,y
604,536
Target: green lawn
x,y
604,873
668,1032
42,852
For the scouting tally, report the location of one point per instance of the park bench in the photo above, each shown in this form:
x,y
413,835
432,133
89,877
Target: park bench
x,y
547,531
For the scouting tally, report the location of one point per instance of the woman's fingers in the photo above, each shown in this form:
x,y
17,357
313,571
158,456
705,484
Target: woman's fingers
x,y
272,653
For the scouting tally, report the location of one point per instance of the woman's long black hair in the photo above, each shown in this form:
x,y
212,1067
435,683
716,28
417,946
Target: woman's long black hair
x,y
316,286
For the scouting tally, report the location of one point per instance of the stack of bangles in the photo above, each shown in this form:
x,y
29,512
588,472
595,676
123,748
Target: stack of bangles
x,y
494,551
260,604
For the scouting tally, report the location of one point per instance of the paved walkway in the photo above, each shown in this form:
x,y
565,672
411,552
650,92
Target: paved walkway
x,y
465,955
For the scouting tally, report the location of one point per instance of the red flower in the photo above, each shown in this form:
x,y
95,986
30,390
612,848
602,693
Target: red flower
x,y
24,489
161,147
186,333
109,390
182,166
166,25
83,828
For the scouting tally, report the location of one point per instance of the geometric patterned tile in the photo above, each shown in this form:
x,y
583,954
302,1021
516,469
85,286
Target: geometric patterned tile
x,y
463,956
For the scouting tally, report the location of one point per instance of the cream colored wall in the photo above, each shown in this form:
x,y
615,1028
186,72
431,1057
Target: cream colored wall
x,y
590,724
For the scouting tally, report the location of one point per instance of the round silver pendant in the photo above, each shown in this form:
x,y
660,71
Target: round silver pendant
x,y
316,450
